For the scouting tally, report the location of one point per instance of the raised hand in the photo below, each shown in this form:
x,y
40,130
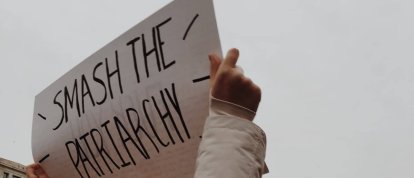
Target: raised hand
x,y
228,82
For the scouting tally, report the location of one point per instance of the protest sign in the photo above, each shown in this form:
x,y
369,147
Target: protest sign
x,y
136,107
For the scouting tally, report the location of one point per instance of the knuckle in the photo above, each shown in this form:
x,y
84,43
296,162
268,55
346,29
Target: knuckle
x,y
257,91
247,81
225,73
233,75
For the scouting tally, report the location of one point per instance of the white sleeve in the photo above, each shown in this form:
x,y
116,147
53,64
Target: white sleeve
x,y
232,146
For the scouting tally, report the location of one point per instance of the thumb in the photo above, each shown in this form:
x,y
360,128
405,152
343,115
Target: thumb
x,y
215,62
231,58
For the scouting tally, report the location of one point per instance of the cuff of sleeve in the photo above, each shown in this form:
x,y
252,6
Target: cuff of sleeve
x,y
221,107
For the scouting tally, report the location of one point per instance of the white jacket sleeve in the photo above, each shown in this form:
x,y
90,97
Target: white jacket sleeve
x,y
232,146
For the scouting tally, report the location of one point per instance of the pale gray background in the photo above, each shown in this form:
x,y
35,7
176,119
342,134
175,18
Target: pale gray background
x,y
337,75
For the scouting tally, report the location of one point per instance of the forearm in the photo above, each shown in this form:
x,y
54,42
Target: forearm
x,y
232,145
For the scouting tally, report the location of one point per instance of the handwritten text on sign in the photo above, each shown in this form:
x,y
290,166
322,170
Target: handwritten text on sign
x,y
137,106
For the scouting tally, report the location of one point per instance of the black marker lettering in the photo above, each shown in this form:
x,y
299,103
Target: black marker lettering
x,y
127,137
85,85
83,137
100,81
71,100
176,105
104,154
134,56
61,108
139,128
164,116
84,159
110,74
147,53
104,125
160,43
75,163
150,123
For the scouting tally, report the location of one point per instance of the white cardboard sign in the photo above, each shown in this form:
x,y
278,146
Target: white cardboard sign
x,y
136,107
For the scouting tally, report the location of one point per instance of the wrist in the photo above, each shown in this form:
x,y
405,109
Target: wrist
x,y
222,107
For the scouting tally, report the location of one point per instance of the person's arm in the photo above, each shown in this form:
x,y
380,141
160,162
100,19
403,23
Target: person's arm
x,y
232,145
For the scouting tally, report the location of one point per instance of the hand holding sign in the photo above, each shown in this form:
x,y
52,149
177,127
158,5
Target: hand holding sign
x,y
36,171
228,82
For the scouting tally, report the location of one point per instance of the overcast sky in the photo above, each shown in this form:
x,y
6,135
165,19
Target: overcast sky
x,y
337,75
